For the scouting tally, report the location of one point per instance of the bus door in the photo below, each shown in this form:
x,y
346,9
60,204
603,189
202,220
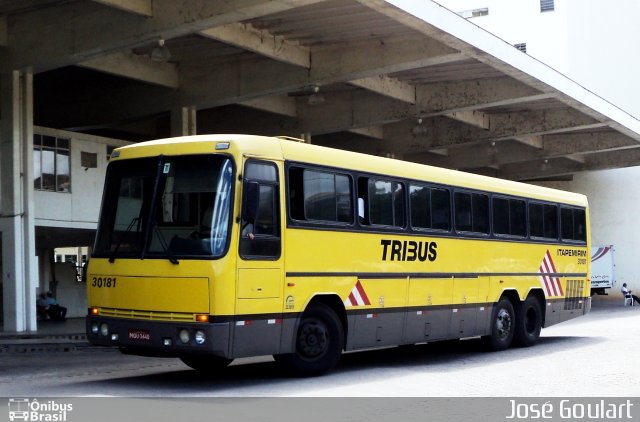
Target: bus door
x,y
259,285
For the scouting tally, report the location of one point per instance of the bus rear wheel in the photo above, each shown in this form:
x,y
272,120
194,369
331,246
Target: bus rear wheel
x,y
206,363
319,342
528,322
502,326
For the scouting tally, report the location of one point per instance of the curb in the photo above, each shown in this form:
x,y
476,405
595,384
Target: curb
x,y
43,344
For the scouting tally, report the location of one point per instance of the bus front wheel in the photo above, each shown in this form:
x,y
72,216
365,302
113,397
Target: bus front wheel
x,y
205,363
528,322
502,326
319,341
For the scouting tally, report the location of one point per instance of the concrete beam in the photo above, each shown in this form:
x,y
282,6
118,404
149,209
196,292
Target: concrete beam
x,y
89,32
347,110
259,41
277,104
587,143
473,118
376,132
540,122
136,67
139,7
532,141
541,169
4,32
350,61
445,98
387,86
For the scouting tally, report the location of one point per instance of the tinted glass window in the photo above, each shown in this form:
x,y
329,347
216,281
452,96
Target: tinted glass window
x,y
509,217
501,216
472,212
420,199
260,238
551,221
326,196
573,224
441,209
518,217
462,208
386,203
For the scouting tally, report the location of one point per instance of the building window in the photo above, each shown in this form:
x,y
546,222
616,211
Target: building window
x,y
51,163
474,13
522,47
547,6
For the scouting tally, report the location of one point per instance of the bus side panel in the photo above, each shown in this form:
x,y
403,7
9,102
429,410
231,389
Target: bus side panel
x,y
429,313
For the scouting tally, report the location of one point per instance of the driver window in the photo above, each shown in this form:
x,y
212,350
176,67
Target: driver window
x,y
260,236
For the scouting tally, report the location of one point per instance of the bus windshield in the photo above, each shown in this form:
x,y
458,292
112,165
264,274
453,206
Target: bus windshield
x,y
166,207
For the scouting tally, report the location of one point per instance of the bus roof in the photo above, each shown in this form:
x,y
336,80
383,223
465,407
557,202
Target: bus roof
x,y
290,150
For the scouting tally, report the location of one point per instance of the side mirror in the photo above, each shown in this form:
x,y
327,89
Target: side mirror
x,y
250,201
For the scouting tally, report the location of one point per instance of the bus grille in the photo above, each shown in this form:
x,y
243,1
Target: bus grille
x,y
573,298
148,315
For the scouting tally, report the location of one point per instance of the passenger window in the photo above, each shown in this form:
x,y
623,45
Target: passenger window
x,y
386,203
543,221
573,224
320,196
430,208
472,212
260,222
509,217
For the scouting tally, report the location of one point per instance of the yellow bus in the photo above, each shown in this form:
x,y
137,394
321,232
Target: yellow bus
x,y
215,247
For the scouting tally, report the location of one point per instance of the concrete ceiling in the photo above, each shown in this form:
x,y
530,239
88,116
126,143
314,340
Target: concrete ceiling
x,y
402,78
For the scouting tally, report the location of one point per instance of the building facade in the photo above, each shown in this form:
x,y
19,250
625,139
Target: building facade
x,y
588,41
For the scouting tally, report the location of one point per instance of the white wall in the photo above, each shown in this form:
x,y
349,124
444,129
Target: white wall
x,y
614,201
81,207
603,37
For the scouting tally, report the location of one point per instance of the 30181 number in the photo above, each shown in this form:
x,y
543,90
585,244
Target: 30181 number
x,y
100,282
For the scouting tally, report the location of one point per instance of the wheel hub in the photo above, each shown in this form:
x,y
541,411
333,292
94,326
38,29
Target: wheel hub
x,y
313,339
503,323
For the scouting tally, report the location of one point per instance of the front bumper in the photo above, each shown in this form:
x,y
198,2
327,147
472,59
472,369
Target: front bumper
x,y
158,338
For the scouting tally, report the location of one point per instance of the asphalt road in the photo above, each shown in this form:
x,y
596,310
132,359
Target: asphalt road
x,y
595,356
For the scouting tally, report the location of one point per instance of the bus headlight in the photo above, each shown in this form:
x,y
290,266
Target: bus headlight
x,y
184,336
200,337
104,329
94,328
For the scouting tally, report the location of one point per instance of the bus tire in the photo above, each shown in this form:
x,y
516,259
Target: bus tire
x,y
528,322
318,344
205,363
502,326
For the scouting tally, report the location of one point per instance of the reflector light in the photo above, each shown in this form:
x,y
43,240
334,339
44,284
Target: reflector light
x,y
94,311
167,341
202,318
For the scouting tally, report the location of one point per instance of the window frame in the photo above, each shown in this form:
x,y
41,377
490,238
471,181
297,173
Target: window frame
x,y
276,208
312,221
39,146
431,188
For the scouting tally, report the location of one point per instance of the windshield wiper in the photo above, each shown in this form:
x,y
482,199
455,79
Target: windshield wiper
x,y
164,245
134,220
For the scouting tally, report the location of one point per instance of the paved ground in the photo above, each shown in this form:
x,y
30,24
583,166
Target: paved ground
x,y
593,356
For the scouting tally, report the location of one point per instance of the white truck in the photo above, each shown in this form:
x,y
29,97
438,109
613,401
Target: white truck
x,y
602,269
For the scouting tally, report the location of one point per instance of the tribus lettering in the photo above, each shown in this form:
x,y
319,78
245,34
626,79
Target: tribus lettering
x,y
408,250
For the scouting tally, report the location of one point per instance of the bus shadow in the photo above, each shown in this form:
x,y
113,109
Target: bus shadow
x,y
444,356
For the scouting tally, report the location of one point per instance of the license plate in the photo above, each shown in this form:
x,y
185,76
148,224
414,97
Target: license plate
x,y
139,335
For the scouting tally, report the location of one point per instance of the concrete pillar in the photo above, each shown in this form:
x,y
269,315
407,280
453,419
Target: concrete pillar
x,y
19,263
183,121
